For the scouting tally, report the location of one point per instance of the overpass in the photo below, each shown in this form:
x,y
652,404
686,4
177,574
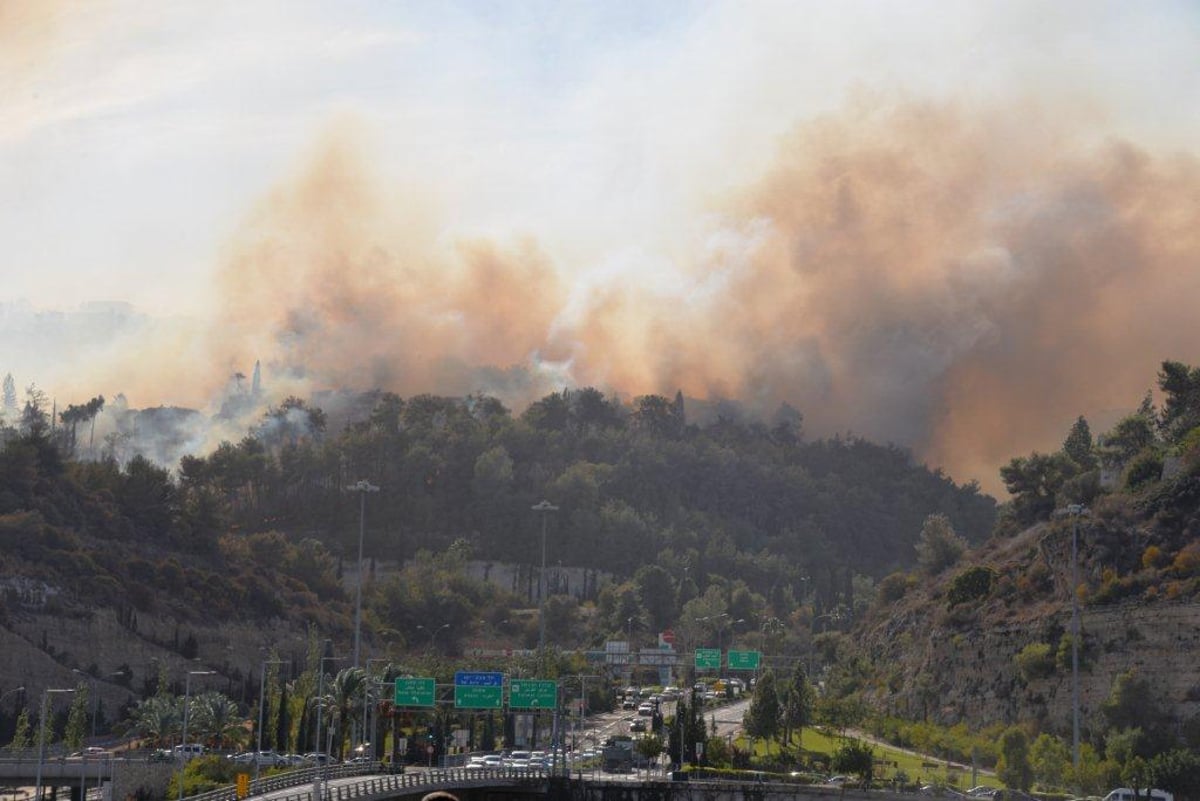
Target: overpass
x,y
501,784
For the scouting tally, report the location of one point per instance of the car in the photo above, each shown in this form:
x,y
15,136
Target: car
x,y
646,710
316,758
637,725
493,761
91,752
189,751
629,704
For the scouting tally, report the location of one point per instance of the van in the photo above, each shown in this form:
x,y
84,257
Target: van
x,y
1126,794
188,751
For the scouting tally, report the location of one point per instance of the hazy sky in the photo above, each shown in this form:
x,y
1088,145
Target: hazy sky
x,y
917,221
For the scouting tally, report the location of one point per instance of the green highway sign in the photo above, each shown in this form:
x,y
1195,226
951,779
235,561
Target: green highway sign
x,y
532,694
744,660
467,697
415,691
478,690
708,659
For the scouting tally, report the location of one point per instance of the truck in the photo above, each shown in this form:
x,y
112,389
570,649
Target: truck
x,y
617,754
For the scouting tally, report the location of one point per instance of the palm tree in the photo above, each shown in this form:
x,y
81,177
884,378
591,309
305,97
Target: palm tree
x,y
215,720
391,672
157,718
343,702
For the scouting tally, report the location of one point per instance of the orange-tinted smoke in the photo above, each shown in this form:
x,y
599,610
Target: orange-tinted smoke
x,y
337,284
964,282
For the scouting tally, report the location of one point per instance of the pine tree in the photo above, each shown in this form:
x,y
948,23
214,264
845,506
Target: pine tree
x,y
762,719
77,720
1079,445
20,738
797,705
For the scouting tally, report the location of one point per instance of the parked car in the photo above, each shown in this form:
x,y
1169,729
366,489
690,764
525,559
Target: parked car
x,y
188,751
1126,794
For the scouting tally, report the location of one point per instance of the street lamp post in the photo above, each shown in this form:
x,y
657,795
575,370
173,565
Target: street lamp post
x,y
545,507
42,730
322,756
367,684
362,487
187,696
262,702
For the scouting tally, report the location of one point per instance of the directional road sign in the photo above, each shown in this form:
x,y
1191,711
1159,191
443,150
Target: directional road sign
x,y
474,690
412,691
532,694
744,660
708,659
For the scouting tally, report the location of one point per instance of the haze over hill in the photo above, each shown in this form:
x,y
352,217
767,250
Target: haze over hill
x,y
920,224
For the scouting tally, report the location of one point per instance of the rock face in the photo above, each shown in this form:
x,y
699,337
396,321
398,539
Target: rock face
x,y
43,649
958,663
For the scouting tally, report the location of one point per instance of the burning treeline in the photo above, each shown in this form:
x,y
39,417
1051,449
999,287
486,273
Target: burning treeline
x,y
962,282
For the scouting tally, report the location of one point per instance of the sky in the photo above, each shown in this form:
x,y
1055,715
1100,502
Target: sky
x,y
951,226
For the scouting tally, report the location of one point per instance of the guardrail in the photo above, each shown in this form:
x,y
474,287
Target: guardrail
x,y
375,787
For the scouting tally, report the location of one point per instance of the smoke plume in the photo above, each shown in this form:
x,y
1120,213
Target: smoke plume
x,y
961,282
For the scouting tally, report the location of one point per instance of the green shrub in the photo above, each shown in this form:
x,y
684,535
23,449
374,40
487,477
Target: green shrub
x,y
1035,661
972,584
1146,468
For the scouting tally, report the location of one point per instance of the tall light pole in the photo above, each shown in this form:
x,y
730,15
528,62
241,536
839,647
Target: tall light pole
x,y
545,507
322,756
1075,510
367,683
43,726
187,697
362,487
262,702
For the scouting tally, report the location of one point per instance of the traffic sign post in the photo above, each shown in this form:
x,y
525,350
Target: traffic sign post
x,y
473,690
708,659
411,691
532,694
744,660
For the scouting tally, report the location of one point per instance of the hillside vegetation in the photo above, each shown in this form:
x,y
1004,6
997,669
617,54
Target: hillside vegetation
x,y
983,638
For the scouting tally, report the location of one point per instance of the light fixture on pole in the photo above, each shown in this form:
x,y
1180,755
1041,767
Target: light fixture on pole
x,y
369,742
262,702
362,487
42,731
322,756
545,507
187,697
